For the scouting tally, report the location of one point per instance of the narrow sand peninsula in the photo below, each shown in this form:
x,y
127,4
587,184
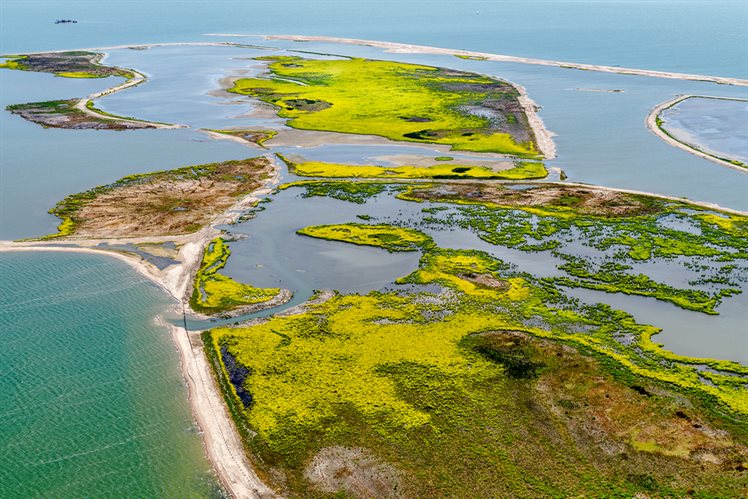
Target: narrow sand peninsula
x,y
543,136
405,48
651,122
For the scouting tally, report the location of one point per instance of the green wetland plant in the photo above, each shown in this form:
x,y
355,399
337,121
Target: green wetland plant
x,y
215,293
488,387
404,102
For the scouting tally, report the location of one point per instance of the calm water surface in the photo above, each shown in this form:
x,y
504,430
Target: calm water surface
x,y
716,126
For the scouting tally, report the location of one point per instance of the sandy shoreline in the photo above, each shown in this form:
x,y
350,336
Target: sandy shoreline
x,y
221,440
222,443
543,136
651,123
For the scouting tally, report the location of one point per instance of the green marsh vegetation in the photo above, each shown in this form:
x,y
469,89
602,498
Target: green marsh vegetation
x,y
616,232
215,293
523,170
496,385
404,102
385,236
353,192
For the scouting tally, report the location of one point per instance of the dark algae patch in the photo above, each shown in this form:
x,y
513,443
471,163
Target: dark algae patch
x,y
237,374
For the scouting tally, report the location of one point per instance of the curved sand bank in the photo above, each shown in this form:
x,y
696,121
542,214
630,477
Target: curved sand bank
x,y
405,48
543,136
222,443
651,122
81,105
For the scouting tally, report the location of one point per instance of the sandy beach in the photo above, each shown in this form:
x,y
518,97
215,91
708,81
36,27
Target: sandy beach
x,y
221,441
404,48
543,136
651,122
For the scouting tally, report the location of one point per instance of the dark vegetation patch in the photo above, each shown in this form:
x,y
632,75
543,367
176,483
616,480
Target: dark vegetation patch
x,y
77,64
307,105
584,200
64,114
416,119
354,192
511,349
237,375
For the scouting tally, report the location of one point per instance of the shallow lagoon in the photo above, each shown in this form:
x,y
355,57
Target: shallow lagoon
x,y
716,126
272,255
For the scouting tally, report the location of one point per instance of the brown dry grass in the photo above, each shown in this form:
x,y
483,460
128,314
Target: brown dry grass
x,y
170,205
589,200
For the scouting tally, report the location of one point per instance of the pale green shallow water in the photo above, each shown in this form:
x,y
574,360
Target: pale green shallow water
x,y
92,403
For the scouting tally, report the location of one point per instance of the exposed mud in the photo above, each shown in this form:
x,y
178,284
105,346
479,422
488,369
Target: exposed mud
x,y
586,200
353,472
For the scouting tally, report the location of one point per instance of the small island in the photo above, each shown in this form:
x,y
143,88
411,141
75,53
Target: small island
x,y
76,113
72,64
402,102
511,170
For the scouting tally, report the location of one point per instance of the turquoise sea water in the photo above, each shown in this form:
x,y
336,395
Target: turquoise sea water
x,y
92,403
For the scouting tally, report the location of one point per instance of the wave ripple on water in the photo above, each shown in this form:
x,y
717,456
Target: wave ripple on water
x,y
92,403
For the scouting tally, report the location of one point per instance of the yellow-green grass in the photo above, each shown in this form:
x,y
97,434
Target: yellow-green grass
x,y
79,74
389,237
14,64
74,64
522,170
216,293
394,100
399,374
